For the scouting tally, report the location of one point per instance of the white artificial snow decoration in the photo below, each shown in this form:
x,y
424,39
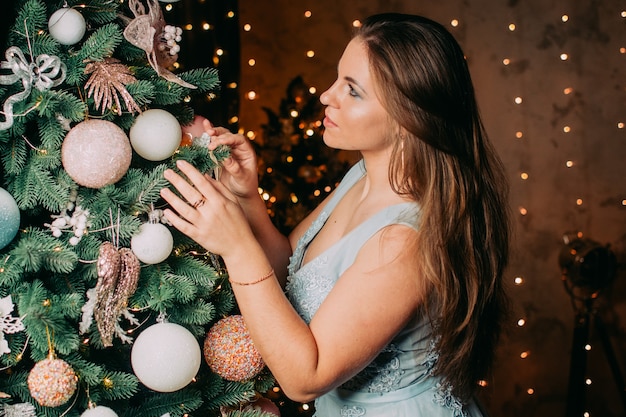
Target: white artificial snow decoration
x,y
8,323
18,410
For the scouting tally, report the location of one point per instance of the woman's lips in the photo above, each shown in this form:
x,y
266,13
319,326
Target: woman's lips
x,y
328,122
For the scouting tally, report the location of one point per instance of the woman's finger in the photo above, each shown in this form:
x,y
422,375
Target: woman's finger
x,y
182,207
207,187
193,196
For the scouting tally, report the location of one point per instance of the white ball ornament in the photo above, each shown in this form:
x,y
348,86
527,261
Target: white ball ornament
x,y
153,243
155,135
166,357
67,26
96,153
99,411
9,218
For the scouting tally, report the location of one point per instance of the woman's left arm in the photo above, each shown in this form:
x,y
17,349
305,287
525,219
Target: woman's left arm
x,y
370,303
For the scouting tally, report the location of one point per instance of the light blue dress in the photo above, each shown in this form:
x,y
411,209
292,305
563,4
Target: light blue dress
x,y
399,382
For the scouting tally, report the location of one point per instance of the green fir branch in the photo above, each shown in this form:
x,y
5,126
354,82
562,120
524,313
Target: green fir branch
x,y
45,44
98,12
249,413
10,272
69,106
23,190
233,393
31,19
142,91
198,312
182,112
200,157
168,93
101,43
40,187
51,133
38,250
88,372
144,187
14,156
5,137
118,385
182,287
176,403
17,342
75,71
203,275
265,381
205,79
150,292
14,384
45,322
224,300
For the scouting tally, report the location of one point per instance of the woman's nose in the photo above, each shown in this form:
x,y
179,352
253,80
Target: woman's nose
x,y
326,96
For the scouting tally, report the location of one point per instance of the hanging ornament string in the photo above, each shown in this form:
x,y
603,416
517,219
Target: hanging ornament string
x,y
43,73
51,354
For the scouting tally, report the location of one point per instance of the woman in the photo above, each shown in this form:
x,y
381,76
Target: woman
x,y
394,293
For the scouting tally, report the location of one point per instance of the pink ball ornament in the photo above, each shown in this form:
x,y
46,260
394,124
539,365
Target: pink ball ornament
x,y
52,382
96,153
229,351
155,135
193,130
265,405
67,26
166,357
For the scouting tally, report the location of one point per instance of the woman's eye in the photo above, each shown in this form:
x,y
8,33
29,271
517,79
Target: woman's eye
x,y
353,92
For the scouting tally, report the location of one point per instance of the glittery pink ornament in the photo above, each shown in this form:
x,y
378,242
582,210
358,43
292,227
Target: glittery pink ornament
x,y
52,382
229,351
96,153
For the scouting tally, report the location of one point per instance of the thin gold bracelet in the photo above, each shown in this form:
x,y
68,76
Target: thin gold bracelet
x,y
263,278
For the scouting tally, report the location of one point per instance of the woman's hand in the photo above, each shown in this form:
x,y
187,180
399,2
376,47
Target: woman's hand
x,y
207,212
239,171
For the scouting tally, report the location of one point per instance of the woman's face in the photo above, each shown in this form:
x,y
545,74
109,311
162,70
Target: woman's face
x,y
355,118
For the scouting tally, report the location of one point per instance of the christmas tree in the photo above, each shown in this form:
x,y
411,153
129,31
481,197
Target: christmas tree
x,y
105,310
296,169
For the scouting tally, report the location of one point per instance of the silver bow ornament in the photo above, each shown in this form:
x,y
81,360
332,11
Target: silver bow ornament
x,y
45,72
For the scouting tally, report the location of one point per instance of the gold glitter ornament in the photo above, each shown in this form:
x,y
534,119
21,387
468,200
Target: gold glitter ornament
x,y
52,382
107,83
118,275
109,266
229,351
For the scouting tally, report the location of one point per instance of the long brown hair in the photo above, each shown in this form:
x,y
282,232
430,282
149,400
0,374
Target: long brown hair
x,y
443,159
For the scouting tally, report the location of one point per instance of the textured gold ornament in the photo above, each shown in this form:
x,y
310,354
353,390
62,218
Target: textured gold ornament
x,y
109,267
127,282
108,82
118,275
